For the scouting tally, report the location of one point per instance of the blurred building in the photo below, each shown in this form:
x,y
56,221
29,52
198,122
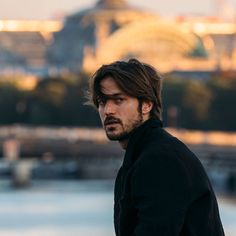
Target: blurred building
x,y
113,30
24,45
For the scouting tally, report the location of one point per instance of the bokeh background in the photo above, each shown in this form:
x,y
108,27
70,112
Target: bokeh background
x,y
57,168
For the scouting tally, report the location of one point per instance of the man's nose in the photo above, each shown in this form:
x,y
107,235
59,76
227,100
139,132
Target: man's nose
x,y
109,108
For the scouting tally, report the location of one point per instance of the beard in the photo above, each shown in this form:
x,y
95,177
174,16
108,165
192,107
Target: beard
x,y
122,130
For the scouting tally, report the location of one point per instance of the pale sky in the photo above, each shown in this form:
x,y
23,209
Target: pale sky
x,y
51,9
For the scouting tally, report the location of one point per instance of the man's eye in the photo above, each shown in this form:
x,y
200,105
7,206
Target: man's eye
x,y
119,100
101,102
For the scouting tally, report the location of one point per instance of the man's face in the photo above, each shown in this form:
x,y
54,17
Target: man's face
x,y
118,111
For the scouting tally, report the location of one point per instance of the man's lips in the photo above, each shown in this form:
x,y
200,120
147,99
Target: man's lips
x,y
111,122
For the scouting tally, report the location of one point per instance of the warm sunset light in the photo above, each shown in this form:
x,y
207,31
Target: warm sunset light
x,y
30,25
117,117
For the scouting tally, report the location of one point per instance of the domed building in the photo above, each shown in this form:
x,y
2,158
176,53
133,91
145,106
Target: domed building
x,y
113,30
86,31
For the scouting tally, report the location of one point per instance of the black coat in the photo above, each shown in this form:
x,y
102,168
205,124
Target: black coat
x,y
162,189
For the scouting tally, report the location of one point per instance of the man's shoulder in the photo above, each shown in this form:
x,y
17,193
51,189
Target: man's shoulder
x,y
165,155
158,139
160,145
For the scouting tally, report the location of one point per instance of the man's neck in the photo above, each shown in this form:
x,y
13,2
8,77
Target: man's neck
x,y
124,143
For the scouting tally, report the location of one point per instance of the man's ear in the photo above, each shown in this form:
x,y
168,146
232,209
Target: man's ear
x,y
146,107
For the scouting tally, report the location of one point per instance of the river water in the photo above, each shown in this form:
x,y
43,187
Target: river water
x,y
76,208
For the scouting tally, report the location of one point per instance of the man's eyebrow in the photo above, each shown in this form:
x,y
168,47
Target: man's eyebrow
x,y
111,95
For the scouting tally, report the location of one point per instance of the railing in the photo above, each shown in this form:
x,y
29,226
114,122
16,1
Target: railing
x,y
214,138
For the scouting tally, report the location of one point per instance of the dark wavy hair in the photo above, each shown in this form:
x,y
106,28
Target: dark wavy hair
x,y
134,78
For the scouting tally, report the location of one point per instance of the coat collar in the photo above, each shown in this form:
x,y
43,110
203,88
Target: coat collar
x,y
136,138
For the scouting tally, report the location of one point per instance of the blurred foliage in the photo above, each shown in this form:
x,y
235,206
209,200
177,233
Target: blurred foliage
x,y
54,101
222,113
206,105
187,103
9,96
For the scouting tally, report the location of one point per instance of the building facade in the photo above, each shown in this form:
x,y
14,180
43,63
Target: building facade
x,y
113,30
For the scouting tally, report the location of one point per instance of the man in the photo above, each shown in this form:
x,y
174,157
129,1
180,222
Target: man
x,y
161,188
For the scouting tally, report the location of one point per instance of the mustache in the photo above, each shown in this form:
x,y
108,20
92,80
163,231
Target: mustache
x,y
111,120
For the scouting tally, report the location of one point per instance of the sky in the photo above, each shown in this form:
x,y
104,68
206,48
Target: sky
x,y
54,9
